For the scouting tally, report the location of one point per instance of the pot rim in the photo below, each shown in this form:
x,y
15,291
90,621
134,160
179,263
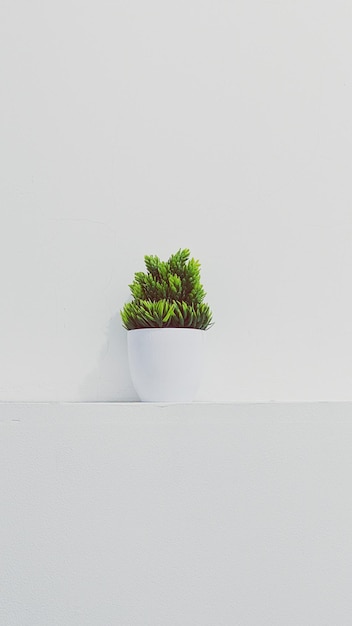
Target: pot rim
x,y
169,328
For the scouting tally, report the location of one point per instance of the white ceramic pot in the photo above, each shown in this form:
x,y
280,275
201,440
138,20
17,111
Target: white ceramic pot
x,y
166,363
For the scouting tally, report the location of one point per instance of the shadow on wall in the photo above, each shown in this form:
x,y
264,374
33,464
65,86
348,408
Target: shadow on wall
x,y
110,381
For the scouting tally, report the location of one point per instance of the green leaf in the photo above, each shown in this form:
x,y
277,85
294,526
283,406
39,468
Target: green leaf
x,y
168,294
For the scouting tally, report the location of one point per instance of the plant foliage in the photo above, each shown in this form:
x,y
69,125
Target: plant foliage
x,y
169,294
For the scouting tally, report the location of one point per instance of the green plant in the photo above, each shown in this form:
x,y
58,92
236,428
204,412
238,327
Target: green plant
x,y
169,294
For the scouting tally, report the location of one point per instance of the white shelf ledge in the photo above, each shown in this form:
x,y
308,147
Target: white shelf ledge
x,y
196,410
155,514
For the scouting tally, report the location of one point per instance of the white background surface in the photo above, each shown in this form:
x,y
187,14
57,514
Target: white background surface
x,y
132,128
189,515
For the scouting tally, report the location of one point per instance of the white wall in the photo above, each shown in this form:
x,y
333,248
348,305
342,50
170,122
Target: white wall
x,y
139,127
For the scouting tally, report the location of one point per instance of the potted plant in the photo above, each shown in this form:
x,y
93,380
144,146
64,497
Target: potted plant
x,y
166,321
